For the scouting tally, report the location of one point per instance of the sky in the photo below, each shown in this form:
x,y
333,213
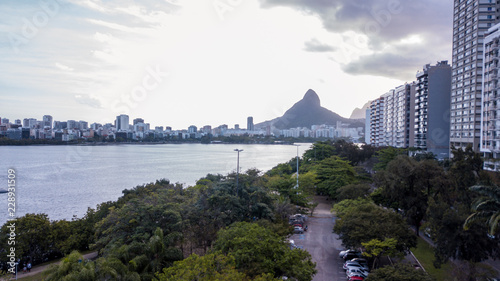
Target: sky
x,y
179,63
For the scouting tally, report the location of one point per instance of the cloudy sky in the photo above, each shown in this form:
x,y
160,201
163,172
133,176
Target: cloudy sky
x,y
179,63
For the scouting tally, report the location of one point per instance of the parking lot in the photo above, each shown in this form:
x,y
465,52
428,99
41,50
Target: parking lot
x,y
323,245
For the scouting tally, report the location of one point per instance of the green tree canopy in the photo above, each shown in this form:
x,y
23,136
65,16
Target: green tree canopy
x,y
332,174
259,250
399,272
363,223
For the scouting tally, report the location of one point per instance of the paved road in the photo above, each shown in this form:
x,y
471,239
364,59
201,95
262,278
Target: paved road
x,y
39,269
323,245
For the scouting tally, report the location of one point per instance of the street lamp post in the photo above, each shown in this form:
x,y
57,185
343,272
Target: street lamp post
x,y
238,169
297,145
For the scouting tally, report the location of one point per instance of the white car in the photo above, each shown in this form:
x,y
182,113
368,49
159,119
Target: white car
x,y
350,264
356,271
298,229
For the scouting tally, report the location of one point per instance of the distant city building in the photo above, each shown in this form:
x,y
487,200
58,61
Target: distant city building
x,y
95,126
83,125
432,107
72,124
32,123
192,129
122,123
47,121
14,134
207,129
250,126
138,120
5,121
236,126
18,122
472,18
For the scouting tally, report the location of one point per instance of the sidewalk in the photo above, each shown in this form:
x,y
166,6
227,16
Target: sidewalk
x,y
39,269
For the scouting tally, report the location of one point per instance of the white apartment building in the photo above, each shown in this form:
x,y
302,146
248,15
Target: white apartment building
x,y
471,19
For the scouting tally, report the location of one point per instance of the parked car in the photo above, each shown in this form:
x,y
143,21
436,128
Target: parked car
x,y
351,264
343,253
355,278
362,262
357,272
298,230
352,255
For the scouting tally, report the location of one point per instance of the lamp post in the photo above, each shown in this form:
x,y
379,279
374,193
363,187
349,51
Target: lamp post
x,y
297,186
238,169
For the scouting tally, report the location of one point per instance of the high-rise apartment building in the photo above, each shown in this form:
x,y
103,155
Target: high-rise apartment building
x,y
250,126
47,121
122,122
490,118
377,122
390,118
431,109
471,19
403,114
388,124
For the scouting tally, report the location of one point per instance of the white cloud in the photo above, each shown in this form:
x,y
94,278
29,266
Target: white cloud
x,y
63,67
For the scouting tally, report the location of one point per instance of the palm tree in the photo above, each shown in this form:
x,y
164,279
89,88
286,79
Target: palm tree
x,y
486,207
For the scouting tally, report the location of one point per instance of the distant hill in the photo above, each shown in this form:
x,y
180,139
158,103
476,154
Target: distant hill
x,y
360,113
308,112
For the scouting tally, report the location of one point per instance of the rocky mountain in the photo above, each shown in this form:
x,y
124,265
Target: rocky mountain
x,y
360,113
308,112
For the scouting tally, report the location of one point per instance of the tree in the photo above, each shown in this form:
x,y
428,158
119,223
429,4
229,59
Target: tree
x,y
406,185
363,223
452,241
465,169
399,272
72,267
386,155
486,207
211,267
347,205
375,249
34,237
334,173
259,250
353,191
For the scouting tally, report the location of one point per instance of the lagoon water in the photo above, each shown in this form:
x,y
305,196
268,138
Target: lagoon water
x,y
63,181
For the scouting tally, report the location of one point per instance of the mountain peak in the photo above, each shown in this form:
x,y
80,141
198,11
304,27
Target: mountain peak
x,y
305,113
312,97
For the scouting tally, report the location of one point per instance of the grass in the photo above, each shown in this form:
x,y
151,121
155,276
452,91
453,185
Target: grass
x,y
425,255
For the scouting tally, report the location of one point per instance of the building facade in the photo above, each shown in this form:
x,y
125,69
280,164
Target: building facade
x,y
432,107
377,122
471,19
490,111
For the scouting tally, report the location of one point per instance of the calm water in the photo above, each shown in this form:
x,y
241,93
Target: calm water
x,y
63,181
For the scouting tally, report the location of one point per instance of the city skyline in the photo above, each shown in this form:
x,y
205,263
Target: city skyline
x,y
177,62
